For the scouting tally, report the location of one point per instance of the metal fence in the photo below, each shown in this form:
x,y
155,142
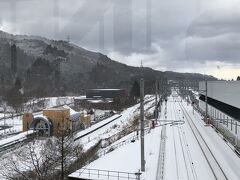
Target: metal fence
x,y
227,127
105,174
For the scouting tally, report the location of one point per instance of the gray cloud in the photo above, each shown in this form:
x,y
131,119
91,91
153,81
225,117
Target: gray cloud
x,y
214,35
167,35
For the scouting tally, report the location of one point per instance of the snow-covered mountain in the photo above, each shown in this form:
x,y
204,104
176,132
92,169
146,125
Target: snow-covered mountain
x,y
50,66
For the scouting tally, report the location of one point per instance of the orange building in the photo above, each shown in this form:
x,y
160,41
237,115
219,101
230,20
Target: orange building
x,y
52,121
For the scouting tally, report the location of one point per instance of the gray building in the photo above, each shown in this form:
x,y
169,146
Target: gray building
x,y
105,93
223,97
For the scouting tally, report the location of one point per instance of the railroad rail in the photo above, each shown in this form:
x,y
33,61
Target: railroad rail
x,y
16,143
187,157
161,157
217,170
87,133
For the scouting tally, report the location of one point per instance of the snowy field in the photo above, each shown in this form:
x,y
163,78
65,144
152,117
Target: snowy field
x,y
115,126
127,158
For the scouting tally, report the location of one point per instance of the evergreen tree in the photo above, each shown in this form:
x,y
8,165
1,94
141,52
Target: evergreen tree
x,y
238,78
14,58
14,97
18,83
135,91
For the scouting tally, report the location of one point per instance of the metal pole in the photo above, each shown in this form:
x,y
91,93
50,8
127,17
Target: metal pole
x,y
227,121
62,148
206,103
142,124
4,112
159,97
156,102
236,127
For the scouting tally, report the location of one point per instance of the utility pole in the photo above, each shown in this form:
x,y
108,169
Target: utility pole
x,y
4,117
156,101
159,95
206,102
62,146
159,90
142,124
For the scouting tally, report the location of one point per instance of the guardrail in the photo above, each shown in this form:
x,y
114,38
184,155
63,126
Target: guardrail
x,y
113,175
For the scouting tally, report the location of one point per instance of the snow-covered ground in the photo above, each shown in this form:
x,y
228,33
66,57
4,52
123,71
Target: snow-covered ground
x,y
184,158
15,138
115,126
127,159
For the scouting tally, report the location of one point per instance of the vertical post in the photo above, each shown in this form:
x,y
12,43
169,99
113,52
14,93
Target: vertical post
x,y
62,148
4,117
156,102
142,124
231,124
159,97
236,127
227,121
206,94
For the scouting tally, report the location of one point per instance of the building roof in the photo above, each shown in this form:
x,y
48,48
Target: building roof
x,y
104,89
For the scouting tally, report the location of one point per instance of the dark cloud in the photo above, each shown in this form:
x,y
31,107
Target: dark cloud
x,y
214,35
166,35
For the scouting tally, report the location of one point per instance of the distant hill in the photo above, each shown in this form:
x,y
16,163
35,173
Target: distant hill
x,y
47,67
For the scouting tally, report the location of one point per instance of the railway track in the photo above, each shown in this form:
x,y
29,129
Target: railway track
x,y
16,143
95,129
148,100
161,157
187,157
217,170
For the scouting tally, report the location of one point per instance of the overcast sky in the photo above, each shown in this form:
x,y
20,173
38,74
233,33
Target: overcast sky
x,y
174,35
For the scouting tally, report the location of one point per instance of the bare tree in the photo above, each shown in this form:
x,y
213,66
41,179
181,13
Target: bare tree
x,y
41,160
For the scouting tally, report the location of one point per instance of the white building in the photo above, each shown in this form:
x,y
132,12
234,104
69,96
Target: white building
x,y
223,101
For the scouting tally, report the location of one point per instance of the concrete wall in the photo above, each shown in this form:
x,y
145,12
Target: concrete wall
x,y
224,91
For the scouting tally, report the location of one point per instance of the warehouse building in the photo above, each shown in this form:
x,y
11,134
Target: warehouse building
x,y
105,93
223,98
